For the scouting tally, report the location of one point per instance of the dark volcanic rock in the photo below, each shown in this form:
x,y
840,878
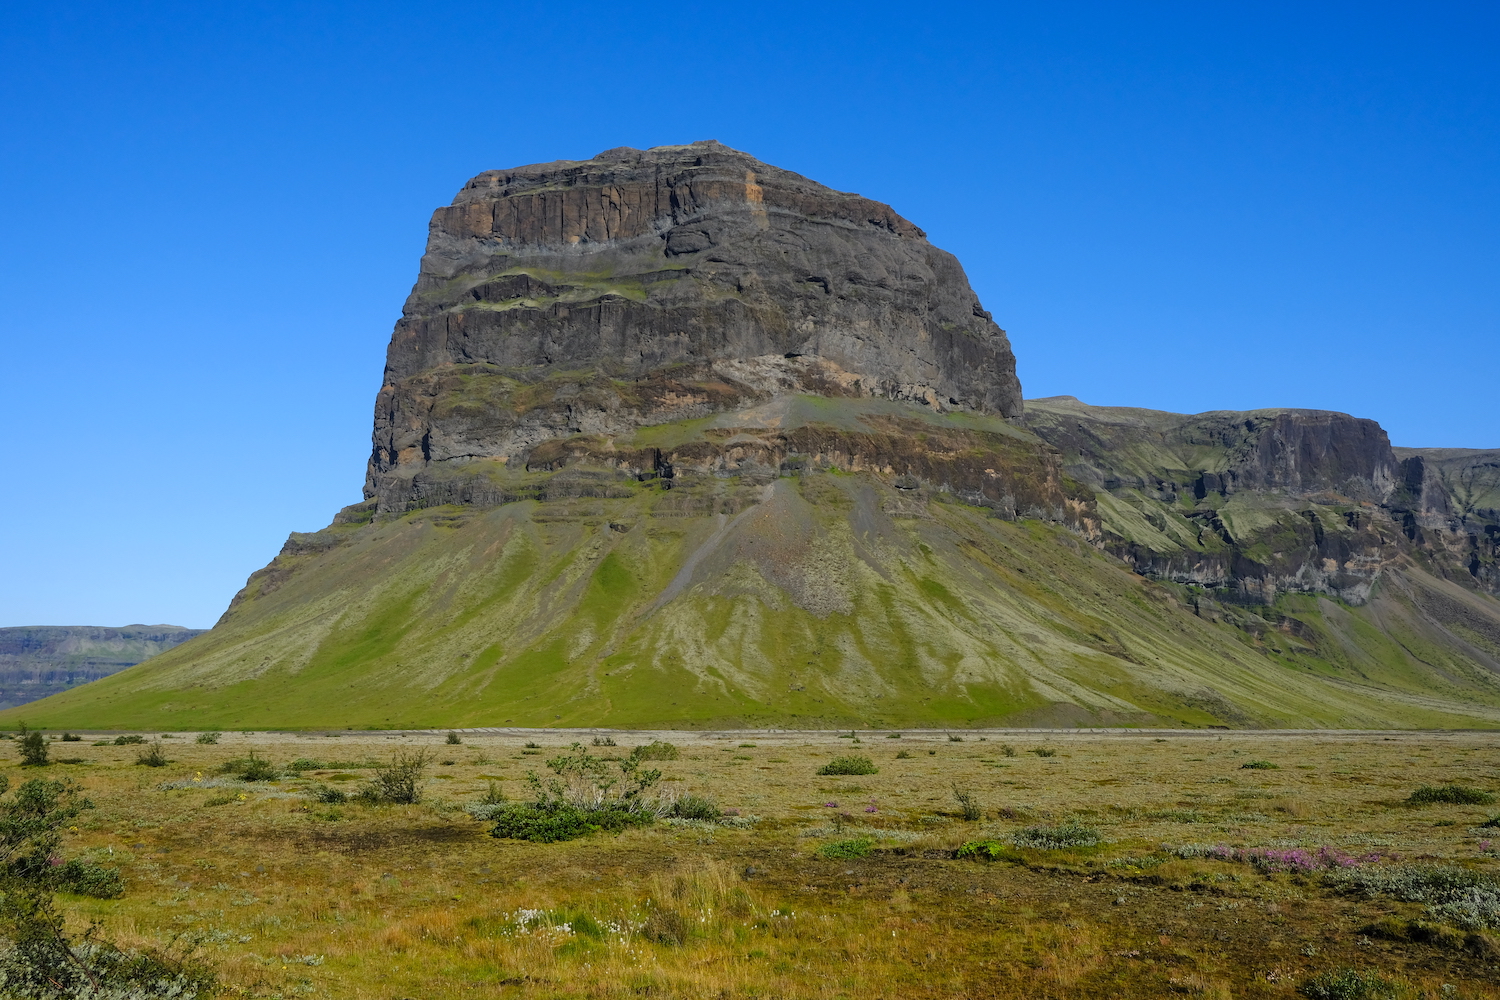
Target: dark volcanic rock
x,y
40,660
1277,500
642,287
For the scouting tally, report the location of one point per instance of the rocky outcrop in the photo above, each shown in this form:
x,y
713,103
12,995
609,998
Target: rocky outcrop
x,y
647,286
41,660
1269,501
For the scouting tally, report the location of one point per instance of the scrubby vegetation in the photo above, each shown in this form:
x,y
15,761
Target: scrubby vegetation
x,y
1457,795
40,958
584,795
1121,867
849,765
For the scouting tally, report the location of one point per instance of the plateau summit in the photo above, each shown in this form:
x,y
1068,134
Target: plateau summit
x,y
675,438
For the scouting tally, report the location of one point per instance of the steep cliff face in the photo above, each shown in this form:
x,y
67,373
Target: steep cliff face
x,y
647,286
1272,501
41,660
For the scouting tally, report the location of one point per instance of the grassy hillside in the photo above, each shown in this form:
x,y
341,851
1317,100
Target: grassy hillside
x,y
819,598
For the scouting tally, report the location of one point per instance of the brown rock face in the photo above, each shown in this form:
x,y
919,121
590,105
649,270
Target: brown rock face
x,y
643,287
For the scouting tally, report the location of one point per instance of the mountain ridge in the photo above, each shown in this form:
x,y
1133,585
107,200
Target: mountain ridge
x,y
672,438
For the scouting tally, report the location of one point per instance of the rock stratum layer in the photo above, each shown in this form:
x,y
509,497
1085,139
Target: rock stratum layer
x,y
41,660
674,438
643,287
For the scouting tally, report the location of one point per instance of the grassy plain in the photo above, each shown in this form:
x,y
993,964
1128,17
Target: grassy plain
x,y
292,897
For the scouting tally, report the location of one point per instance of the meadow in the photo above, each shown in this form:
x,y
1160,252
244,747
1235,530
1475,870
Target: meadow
x,y
1015,863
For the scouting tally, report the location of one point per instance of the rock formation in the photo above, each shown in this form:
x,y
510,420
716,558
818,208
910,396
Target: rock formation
x,y
647,286
1271,501
673,438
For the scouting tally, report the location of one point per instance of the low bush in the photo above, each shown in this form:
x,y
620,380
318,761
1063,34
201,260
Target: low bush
x,y
208,739
582,797
84,878
1006,750
847,850
849,765
1259,765
1453,895
555,821
1349,984
70,738
694,807
328,794
34,750
968,804
954,738
251,768
454,739
399,782
133,739
1051,838
303,764
605,741
987,850
1044,752
1456,795
656,750
152,756
902,755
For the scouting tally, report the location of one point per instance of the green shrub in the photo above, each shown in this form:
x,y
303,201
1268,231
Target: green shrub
x,y
208,739
849,765
251,768
1051,838
1044,752
694,807
84,878
328,794
303,764
1348,984
1457,795
152,756
656,750
955,738
903,755
847,850
130,740
398,782
968,804
34,750
70,738
1006,750
987,850
1259,765
554,821
454,739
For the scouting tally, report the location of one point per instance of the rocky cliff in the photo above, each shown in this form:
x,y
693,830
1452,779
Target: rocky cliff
x,y
648,286
41,660
1273,501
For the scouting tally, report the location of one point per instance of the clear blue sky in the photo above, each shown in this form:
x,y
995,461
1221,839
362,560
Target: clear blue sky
x,y
211,213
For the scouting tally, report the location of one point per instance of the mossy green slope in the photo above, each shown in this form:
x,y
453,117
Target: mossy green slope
x,y
820,599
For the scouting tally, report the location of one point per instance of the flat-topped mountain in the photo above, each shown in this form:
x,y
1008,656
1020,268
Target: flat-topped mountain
x,y
646,286
674,438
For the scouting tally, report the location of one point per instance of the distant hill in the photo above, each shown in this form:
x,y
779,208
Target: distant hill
x,y
41,660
